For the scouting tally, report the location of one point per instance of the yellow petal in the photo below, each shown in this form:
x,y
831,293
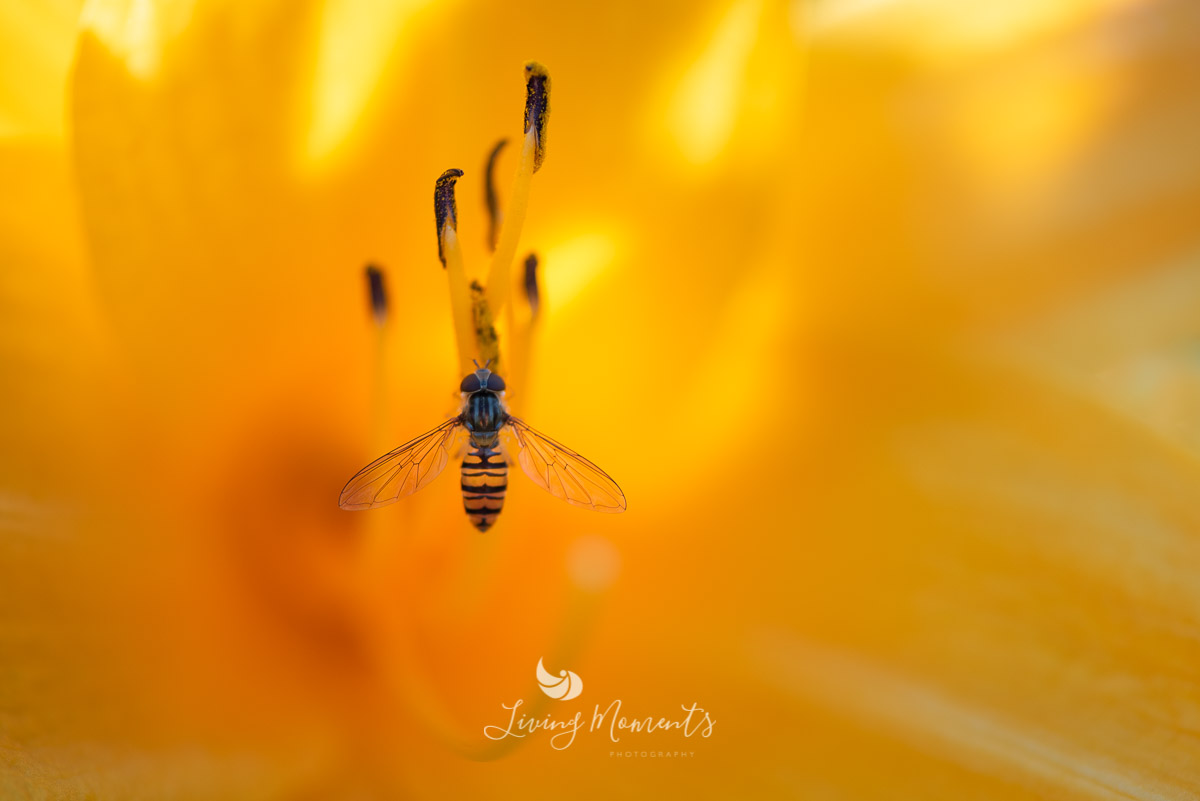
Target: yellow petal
x,y
37,40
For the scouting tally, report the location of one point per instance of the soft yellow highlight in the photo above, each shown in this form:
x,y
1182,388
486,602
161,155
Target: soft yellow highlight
x,y
137,31
357,39
703,111
950,30
38,37
1027,128
741,353
570,265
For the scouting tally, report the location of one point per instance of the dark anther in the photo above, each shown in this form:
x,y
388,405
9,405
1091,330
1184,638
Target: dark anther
x,y
537,108
444,210
531,283
378,294
489,190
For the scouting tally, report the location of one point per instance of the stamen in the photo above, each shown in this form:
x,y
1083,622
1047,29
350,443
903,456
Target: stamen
x,y
381,384
533,153
531,284
493,202
378,294
446,215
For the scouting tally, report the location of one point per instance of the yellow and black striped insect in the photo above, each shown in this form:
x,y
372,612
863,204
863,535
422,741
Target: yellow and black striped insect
x,y
492,434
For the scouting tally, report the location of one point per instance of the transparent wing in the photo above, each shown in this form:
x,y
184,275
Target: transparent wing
x,y
405,470
561,471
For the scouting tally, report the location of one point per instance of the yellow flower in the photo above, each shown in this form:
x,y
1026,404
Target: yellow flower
x,y
880,313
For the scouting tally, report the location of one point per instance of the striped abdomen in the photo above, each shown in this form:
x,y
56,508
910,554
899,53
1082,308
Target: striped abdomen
x,y
484,480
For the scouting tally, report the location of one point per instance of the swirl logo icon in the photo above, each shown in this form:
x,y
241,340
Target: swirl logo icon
x,y
565,686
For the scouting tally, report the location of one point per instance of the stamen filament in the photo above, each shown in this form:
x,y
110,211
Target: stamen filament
x,y
486,340
521,325
489,193
381,432
499,274
450,253
533,153
460,300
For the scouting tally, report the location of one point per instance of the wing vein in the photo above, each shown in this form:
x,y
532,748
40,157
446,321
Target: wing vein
x,y
561,471
402,471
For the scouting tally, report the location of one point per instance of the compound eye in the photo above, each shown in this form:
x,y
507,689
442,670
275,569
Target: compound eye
x,y
469,384
495,383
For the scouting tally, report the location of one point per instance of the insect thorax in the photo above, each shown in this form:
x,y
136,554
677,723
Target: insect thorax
x,y
484,415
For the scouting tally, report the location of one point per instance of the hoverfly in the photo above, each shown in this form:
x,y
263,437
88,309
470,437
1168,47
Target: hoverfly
x,y
492,434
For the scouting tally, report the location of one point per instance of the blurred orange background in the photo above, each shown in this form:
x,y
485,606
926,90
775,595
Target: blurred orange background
x,y
884,313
